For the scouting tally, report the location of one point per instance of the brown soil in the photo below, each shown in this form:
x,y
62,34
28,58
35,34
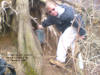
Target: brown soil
x,y
7,47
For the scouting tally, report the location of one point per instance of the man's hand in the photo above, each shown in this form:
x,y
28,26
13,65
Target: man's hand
x,y
83,37
40,27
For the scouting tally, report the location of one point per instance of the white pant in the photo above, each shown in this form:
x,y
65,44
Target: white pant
x,y
67,39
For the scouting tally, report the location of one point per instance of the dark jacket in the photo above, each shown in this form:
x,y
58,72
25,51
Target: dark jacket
x,y
2,66
64,20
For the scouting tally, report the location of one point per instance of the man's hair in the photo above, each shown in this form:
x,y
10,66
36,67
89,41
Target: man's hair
x,y
48,3
4,4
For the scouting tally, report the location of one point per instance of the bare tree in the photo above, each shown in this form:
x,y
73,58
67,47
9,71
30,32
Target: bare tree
x,y
27,42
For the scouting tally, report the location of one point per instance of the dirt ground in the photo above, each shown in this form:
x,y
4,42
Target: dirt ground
x,y
7,47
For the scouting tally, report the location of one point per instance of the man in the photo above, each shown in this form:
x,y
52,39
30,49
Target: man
x,y
69,23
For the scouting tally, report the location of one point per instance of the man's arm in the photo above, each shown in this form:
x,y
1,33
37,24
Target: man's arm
x,y
79,24
48,21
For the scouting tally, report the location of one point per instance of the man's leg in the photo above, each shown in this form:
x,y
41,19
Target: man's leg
x,y
65,41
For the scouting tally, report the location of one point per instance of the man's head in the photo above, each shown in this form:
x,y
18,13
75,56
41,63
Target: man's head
x,y
5,4
50,7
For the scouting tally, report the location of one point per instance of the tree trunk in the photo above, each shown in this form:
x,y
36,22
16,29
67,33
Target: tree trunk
x,y
27,42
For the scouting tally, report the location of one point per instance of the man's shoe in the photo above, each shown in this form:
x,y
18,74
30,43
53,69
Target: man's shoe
x,y
57,63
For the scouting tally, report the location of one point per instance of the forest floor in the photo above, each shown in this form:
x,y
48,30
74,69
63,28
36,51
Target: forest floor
x,y
7,47
50,69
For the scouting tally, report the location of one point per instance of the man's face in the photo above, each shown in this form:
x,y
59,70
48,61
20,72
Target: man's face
x,y
51,10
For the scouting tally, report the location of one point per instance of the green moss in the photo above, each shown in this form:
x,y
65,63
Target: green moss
x,y
29,70
1,0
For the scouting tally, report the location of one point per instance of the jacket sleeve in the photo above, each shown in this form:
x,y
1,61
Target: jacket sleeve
x,y
47,22
79,22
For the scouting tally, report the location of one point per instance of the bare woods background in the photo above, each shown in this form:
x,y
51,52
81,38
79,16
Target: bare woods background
x,y
17,36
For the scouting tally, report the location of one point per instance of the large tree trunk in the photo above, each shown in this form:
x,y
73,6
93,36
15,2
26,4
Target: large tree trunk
x,y
27,42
